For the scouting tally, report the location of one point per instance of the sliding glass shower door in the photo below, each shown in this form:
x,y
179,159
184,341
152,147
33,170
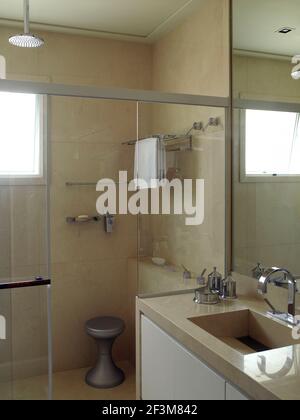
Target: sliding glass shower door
x,y
24,356
24,249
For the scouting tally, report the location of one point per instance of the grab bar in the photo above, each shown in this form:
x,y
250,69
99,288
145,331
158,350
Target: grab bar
x,y
39,281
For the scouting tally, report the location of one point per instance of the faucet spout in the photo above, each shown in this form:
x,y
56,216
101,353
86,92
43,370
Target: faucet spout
x,y
280,277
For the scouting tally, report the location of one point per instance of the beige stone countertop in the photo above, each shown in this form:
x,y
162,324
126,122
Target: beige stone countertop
x,y
270,375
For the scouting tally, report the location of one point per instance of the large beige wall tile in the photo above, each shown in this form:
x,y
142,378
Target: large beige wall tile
x,y
194,57
29,332
90,265
82,291
92,121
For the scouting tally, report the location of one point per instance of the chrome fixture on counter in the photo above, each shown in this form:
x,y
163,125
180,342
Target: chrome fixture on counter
x,y
280,277
204,296
257,271
215,281
215,289
229,289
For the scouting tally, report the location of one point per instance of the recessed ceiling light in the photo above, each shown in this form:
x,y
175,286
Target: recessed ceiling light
x,y
285,30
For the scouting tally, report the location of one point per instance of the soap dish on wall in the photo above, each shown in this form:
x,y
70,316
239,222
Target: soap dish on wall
x,y
159,261
83,219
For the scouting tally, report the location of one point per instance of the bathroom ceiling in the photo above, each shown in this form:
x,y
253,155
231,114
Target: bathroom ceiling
x,y
143,20
256,23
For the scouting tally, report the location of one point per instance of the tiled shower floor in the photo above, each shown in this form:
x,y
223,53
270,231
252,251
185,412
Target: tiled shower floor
x,y
70,385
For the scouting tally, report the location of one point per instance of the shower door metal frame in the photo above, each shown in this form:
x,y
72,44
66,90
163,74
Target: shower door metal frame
x,y
90,92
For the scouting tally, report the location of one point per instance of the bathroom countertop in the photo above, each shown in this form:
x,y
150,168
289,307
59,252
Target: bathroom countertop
x,y
270,375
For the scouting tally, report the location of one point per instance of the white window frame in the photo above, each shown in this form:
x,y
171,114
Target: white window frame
x,y
41,178
263,178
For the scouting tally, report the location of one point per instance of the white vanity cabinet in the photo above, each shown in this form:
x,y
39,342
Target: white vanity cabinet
x,y
170,372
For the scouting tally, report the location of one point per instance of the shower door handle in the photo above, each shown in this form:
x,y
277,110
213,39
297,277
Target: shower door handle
x,y
39,281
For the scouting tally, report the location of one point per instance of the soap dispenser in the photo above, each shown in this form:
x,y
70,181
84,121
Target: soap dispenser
x,y
215,281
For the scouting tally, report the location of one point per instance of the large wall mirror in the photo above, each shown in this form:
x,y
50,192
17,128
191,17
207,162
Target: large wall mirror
x,y
266,135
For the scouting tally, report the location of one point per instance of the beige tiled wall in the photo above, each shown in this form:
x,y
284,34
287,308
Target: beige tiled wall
x,y
266,215
194,57
89,266
73,59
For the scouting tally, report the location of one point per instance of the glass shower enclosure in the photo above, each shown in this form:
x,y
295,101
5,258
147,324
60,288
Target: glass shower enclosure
x,y
25,285
25,338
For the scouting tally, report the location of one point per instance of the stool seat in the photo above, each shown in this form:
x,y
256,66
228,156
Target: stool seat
x,y
105,327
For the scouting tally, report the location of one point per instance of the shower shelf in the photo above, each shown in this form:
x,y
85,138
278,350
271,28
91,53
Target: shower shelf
x,y
83,219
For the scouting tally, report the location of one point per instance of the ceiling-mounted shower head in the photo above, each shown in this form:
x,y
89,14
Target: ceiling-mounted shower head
x,y
26,40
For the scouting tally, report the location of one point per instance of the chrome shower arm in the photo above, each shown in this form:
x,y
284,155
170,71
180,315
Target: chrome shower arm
x,y
26,17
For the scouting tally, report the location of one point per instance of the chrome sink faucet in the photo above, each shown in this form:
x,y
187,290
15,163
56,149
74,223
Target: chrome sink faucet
x,y
280,277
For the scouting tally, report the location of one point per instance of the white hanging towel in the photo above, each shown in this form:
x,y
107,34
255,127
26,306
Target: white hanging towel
x,y
149,163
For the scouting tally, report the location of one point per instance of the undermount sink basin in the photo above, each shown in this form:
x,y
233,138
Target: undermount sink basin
x,y
246,331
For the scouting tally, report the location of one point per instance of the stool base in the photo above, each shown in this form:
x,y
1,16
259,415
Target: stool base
x,y
105,374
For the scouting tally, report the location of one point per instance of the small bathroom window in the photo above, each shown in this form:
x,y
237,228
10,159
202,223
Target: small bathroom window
x,y
270,146
22,127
